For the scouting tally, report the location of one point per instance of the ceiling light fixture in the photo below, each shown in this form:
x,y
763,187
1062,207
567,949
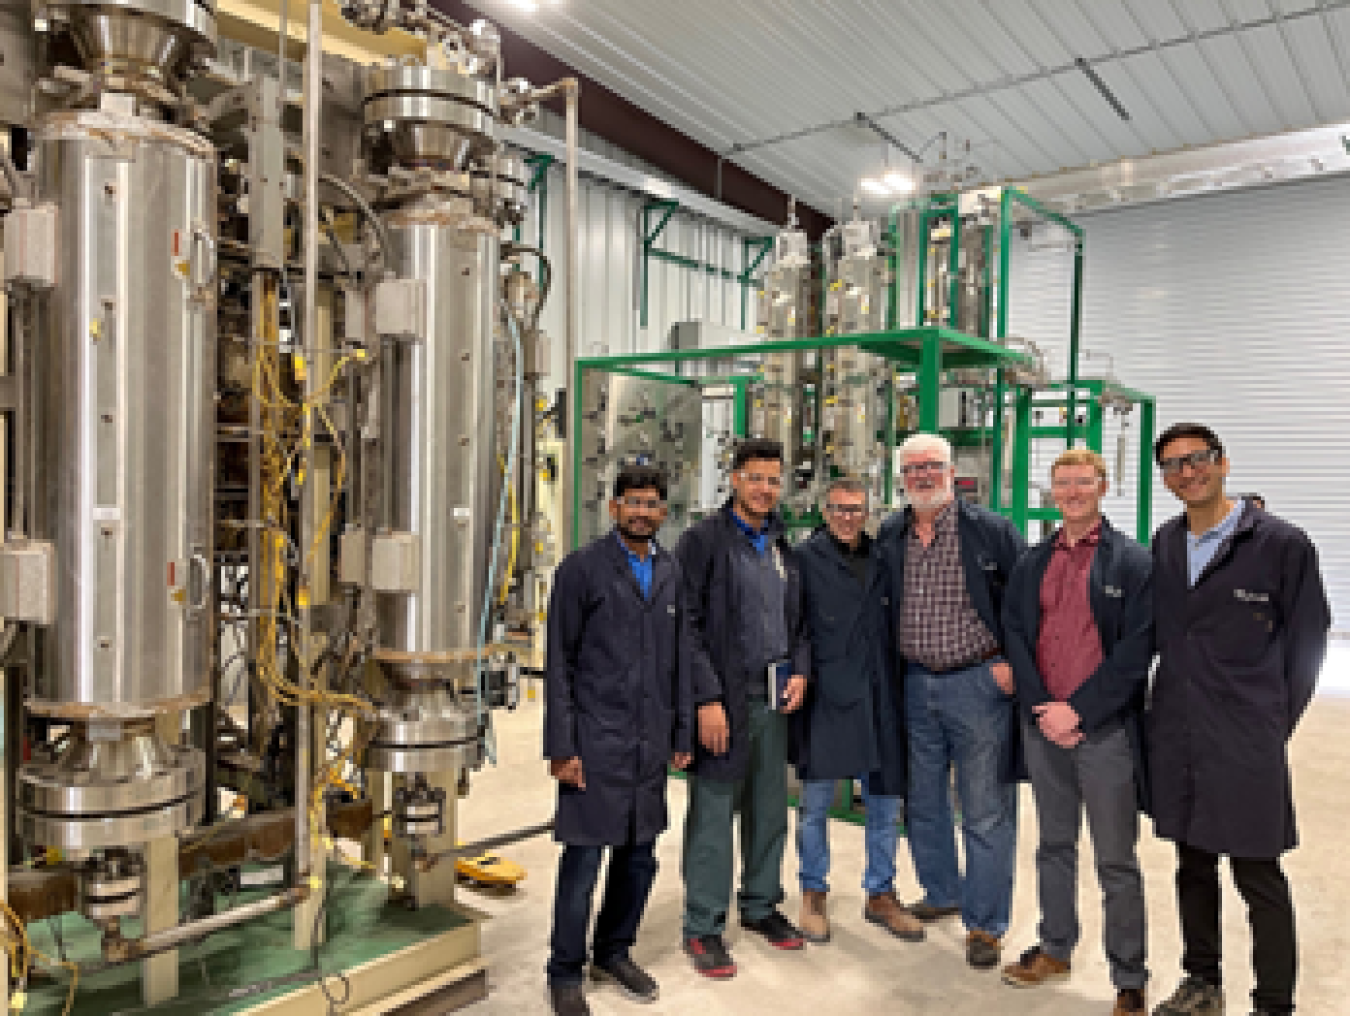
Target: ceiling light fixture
x,y
875,187
898,182
528,6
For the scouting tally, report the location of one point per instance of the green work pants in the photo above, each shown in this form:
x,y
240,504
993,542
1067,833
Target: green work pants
x,y
760,797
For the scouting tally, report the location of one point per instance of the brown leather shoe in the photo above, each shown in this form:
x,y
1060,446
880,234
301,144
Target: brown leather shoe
x,y
1130,1002
1034,969
884,909
814,922
982,949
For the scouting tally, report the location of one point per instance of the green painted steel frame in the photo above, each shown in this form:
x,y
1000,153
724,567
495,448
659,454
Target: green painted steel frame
x,y
753,251
1093,391
538,184
928,351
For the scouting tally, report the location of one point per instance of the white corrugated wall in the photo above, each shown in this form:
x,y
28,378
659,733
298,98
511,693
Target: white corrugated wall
x,y
610,281
1233,309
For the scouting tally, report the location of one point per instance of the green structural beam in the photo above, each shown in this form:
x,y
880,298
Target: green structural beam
x,y
656,216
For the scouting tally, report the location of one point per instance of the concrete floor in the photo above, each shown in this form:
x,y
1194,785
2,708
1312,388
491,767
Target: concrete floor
x,y
863,968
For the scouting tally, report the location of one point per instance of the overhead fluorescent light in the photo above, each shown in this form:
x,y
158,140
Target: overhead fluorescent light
x,y
898,182
875,187
528,6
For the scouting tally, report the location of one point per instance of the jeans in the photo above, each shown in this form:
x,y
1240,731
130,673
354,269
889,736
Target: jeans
x,y
1097,777
761,799
880,837
962,720
1270,912
628,883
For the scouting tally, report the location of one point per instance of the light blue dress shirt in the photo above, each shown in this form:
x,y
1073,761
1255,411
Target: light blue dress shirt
x,y
1200,550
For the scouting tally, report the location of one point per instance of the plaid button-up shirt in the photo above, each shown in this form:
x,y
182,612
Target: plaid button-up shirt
x,y
939,628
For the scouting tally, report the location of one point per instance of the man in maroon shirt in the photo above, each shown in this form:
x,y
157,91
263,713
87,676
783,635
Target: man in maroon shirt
x,y
1078,630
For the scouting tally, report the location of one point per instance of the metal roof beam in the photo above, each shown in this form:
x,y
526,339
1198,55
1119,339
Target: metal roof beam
x,y
1017,80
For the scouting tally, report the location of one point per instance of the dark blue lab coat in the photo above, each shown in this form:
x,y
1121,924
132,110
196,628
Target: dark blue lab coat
x,y
852,723
1238,660
617,692
718,672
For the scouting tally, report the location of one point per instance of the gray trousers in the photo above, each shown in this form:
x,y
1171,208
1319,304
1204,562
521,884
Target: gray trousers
x,y
1098,776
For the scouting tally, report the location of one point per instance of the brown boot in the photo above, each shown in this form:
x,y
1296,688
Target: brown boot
x,y
814,923
1034,969
884,909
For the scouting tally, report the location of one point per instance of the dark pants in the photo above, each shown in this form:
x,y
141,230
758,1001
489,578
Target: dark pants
x,y
1270,912
761,800
628,883
1096,777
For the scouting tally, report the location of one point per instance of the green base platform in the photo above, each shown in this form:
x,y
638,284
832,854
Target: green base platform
x,y
214,974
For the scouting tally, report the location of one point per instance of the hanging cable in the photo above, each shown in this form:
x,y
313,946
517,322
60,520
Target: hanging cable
x,y
480,670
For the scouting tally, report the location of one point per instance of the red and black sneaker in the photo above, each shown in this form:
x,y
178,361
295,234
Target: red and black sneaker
x,y
710,956
777,930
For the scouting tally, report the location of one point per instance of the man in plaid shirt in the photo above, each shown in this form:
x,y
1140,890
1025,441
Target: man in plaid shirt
x,y
950,563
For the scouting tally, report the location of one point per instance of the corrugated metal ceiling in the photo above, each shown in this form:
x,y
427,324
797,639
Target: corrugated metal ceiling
x,y
1000,74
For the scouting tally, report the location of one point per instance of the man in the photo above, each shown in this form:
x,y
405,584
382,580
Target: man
x,y
1242,622
949,562
1078,621
850,726
745,618
618,709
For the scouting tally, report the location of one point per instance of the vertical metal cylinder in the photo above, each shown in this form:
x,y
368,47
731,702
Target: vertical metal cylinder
x,y
124,371
442,438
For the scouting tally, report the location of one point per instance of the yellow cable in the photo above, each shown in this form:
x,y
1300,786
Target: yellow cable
x,y
515,531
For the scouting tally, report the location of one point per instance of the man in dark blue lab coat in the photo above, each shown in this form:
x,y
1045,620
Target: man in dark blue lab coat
x,y
1241,624
745,616
1078,630
617,710
850,728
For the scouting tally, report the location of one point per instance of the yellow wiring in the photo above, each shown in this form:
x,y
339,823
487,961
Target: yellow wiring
x,y
515,531
22,954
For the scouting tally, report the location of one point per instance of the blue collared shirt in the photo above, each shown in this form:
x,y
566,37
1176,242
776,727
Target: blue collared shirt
x,y
758,537
1200,550
642,566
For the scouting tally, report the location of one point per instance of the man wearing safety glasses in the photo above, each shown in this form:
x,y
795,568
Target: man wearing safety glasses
x,y
1241,625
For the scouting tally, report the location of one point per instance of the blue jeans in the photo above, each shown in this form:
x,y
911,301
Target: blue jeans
x,y
813,841
628,883
961,719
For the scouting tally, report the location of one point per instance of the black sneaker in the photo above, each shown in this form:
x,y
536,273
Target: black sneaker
x,y
710,956
632,980
777,930
568,1000
1193,997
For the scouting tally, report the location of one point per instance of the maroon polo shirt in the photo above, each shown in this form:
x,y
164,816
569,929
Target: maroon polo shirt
x,y
1069,647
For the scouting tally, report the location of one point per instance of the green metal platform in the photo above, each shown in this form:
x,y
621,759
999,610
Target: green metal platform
x,y
214,974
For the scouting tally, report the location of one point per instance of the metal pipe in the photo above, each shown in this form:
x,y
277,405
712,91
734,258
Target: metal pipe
x,y
386,248
571,89
170,938
23,432
490,843
308,339
18,190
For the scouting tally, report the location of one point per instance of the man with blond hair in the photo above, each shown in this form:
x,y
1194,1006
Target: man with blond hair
x,y
1078,629
949,563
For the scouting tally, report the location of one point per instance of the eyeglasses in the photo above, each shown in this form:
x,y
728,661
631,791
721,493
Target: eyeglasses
x,y
1196,460
1075,482
772,480
648,504
846,511
918,468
